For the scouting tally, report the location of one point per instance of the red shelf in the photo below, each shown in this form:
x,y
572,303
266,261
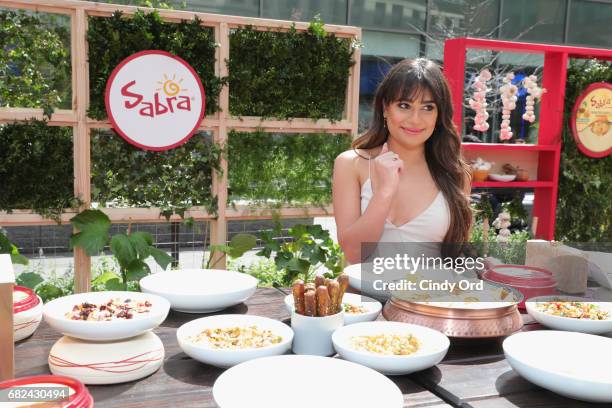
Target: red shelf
x,y
513,184
508,147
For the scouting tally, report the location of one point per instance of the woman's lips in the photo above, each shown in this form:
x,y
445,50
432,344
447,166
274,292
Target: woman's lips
x,y
412,131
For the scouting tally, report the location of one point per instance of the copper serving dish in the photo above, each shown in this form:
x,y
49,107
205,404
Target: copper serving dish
x,y
459,322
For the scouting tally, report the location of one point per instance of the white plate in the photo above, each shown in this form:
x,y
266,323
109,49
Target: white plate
x,y
304,382
502,177
107,362
575,365
55,311
373,307
200,290
433,346
365,282
568,323
201,351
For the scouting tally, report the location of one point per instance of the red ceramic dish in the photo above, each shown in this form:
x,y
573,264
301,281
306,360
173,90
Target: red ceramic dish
x,y
30,301
528,280
80,399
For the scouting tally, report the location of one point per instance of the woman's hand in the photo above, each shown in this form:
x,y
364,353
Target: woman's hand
x,y
387,169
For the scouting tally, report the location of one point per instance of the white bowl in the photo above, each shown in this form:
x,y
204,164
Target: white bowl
x,y
54,313
433,346
575,365
275,382
568,323
107,362
27,321
373,307
502,177
228,357
200,290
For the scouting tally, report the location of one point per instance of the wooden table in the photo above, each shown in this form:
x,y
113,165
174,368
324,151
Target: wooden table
x,y
473,374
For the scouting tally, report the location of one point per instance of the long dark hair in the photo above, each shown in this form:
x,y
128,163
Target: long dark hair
x,y
405,81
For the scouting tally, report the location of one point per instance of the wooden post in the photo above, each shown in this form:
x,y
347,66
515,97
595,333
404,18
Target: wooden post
x,y
7,348
218,227
82,171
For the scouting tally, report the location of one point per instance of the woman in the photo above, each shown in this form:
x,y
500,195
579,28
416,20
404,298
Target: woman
x,y
404,180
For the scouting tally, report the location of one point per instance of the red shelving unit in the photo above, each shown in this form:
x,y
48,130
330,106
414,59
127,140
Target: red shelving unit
x,y
545,156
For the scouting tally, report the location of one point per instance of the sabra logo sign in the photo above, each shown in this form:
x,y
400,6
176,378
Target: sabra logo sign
x,y
155,100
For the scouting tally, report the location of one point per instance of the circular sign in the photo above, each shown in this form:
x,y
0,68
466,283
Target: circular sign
x,y
592,120
155,100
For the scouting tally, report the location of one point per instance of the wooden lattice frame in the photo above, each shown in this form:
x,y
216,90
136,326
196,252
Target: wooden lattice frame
x,y
219,123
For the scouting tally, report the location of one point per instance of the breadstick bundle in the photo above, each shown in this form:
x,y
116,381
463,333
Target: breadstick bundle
x,y
321,298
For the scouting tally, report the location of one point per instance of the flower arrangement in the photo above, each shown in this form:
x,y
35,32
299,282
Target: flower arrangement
x,y
479,103
508,93
533,92
502,222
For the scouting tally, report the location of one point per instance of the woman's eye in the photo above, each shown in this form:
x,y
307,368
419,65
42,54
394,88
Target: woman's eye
x,y
429,107
403,105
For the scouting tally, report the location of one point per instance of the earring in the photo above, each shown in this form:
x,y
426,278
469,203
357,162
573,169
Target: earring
x,y
385,122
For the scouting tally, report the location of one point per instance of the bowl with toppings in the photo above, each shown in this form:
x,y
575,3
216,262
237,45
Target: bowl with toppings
x,y
571,313
357,308
227,340
392,348
104,316
200,290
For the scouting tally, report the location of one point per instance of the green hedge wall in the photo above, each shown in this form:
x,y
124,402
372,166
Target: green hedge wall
x,y
287,168
36,169
584,207
113,39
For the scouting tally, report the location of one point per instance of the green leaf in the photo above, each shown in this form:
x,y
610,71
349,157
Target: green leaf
x,y
93,226
115,284
137,270
297,265
161,257
19,259
123,249
241,243
48,291
141,241
105,277
29,279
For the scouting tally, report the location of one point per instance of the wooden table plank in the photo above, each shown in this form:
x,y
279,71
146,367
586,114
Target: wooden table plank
x,y
181,381
539,398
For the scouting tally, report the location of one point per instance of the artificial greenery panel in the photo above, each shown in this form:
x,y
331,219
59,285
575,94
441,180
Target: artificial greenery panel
x,y
112,39
36,170
288,168
584,207
288,74
173,180
34,60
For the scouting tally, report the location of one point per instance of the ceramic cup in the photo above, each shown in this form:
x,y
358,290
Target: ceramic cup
x,y
312,335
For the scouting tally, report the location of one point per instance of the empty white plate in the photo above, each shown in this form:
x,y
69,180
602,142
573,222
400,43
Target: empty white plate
x,y
304,382
200,290
575,365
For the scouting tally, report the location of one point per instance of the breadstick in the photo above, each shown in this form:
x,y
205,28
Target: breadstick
x,y
343,281
319,280
298,297
323,302
310,303
334,293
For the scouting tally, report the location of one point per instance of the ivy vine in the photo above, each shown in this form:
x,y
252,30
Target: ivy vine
x,y
112,39
288,74
173,180
36,169
584,208
291,169
34,60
